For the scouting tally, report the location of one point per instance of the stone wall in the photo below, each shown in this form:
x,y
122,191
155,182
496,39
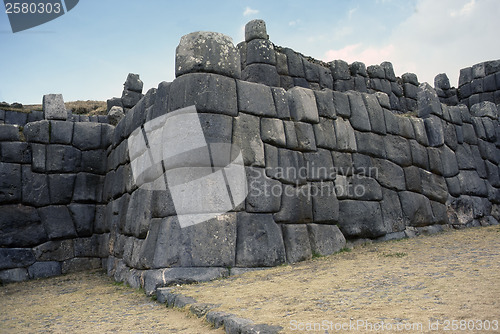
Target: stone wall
x,y
329,158
51,207
479,83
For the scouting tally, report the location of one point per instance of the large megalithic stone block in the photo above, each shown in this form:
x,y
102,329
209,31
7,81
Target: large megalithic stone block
x,y
208,52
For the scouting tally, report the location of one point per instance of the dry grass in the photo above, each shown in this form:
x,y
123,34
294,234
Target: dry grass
x,y
88,302
453,275
77,107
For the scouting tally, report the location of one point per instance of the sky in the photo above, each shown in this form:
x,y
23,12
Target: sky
x,y
87,53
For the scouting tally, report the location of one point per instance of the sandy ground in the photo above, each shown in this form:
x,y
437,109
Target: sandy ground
x,y
88,302
451,280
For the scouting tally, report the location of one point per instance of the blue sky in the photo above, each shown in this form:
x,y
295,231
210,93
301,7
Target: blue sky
x,y
87,53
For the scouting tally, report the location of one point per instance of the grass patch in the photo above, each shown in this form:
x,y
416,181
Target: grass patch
x,y
397,254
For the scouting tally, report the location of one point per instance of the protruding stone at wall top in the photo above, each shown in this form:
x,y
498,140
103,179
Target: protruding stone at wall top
x,y
53,107
255,29
208,52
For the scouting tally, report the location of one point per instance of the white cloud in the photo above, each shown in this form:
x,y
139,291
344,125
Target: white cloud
x,y
439,36
249,11
351,12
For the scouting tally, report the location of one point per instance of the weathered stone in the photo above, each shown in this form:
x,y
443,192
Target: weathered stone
x,y
113,102
16,258
9,132
54,251
255,29
471,184
256,99
369,143
341,103
210,93
87,188
115,115
57,222
273,131
324,101
15,118
302,104
361,219
449,160
246,134
359,187
416,208
53,107
296,240
305,137
208,52
138,214
261,73
130,98
359,115
375,114
208,244
389,71
61,132
60,188
398,150
325,134
325,239
87,136
324,202
434,129
35,187
133,83
11,183
484,109
288,166
388,174
346,139
296,205
260,51
44,269
259,242
263,192
61,158
13,275
434,186
20,227
94,161
464,157
392,213
81,264
428,101
16,152
281,103
340,70
83,218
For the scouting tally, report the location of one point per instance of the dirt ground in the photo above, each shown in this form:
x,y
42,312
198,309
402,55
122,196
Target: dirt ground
x,y
452,278
88,302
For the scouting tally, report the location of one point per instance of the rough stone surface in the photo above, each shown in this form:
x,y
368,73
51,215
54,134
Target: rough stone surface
x,y
297,245
363,219
325,239
53,107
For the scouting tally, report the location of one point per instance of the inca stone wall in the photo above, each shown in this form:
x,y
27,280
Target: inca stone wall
x,y
330,154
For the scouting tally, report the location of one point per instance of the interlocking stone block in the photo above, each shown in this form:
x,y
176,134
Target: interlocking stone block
x,y
53,107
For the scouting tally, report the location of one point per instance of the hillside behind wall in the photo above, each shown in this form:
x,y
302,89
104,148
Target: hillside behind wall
x,y
365,169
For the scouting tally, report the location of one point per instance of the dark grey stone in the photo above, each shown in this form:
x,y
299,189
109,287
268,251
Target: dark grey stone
x,y
53,107
61,158
324,101
296,205
256,99
325,239
83,218
427,101
9,132
478,71
392,213
87,136
291,136
469,134
273,132
340,70
493,174
44,269
479,128
346,139
133,83
343,163
87,187
325,134
419,131
113,102
61,188
375,113
311,71
441,81
471,184
490,129
413,180
388,174
10,183
484,109
94,161
35,187
358,68
210,52
434,129
341,103
60,250
138,214
416,208
255,29
20,227
115,115
16,152
260,51
57,222
476,86
489,83
235,325
61,132
359,115
246,134
319,165
361,219
86,247
410,78
449,160
325,78
16,258
218,93
281,63
291,167
82,264
295,66
434,186
15,118
465,76
389,71
324,202
259,242
13,275
281,103
302,104
261,73
369,143
296,240
398,150
263,192
435,160
358,187
305,137
464,157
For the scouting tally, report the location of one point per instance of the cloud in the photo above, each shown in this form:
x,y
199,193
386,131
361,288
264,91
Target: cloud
x,y
351,12
249,11
357,52
465,10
